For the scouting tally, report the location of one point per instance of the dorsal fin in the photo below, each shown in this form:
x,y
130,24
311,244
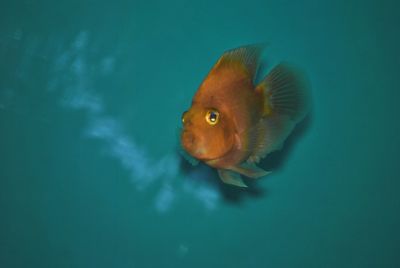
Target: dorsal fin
x,y
247,57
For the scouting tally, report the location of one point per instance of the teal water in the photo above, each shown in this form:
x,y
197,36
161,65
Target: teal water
x,y
91,95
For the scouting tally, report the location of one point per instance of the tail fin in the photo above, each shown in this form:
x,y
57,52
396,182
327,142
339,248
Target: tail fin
x,y
285,92
286,102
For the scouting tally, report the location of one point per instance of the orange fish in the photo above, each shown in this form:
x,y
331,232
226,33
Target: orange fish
x,y
233,123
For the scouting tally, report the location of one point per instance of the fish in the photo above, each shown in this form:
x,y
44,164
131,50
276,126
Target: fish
x,y
233,122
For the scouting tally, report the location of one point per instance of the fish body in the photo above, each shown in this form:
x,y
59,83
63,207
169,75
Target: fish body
x,y
232,123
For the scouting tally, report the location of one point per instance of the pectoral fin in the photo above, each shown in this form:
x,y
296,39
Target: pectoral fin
x,y
250,170
230,177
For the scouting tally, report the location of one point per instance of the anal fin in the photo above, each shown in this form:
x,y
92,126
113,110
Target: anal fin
x,y
230,177
250,170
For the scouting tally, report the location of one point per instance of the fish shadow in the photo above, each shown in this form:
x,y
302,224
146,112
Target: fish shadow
x,y
230,194
236,195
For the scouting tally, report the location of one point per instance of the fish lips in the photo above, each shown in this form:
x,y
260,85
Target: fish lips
x,y
190,142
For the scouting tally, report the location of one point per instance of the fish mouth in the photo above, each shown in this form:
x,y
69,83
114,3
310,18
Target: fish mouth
x,y
187,139
190,144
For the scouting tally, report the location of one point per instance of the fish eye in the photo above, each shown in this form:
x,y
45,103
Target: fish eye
x,y
183,117
212,117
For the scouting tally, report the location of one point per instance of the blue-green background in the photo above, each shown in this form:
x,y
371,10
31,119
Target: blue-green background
x,y
91,94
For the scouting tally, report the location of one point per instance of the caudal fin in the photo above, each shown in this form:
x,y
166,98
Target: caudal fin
x,y
286,102
286,92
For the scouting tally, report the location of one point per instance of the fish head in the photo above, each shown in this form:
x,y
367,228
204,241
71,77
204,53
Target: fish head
x,y
207,132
